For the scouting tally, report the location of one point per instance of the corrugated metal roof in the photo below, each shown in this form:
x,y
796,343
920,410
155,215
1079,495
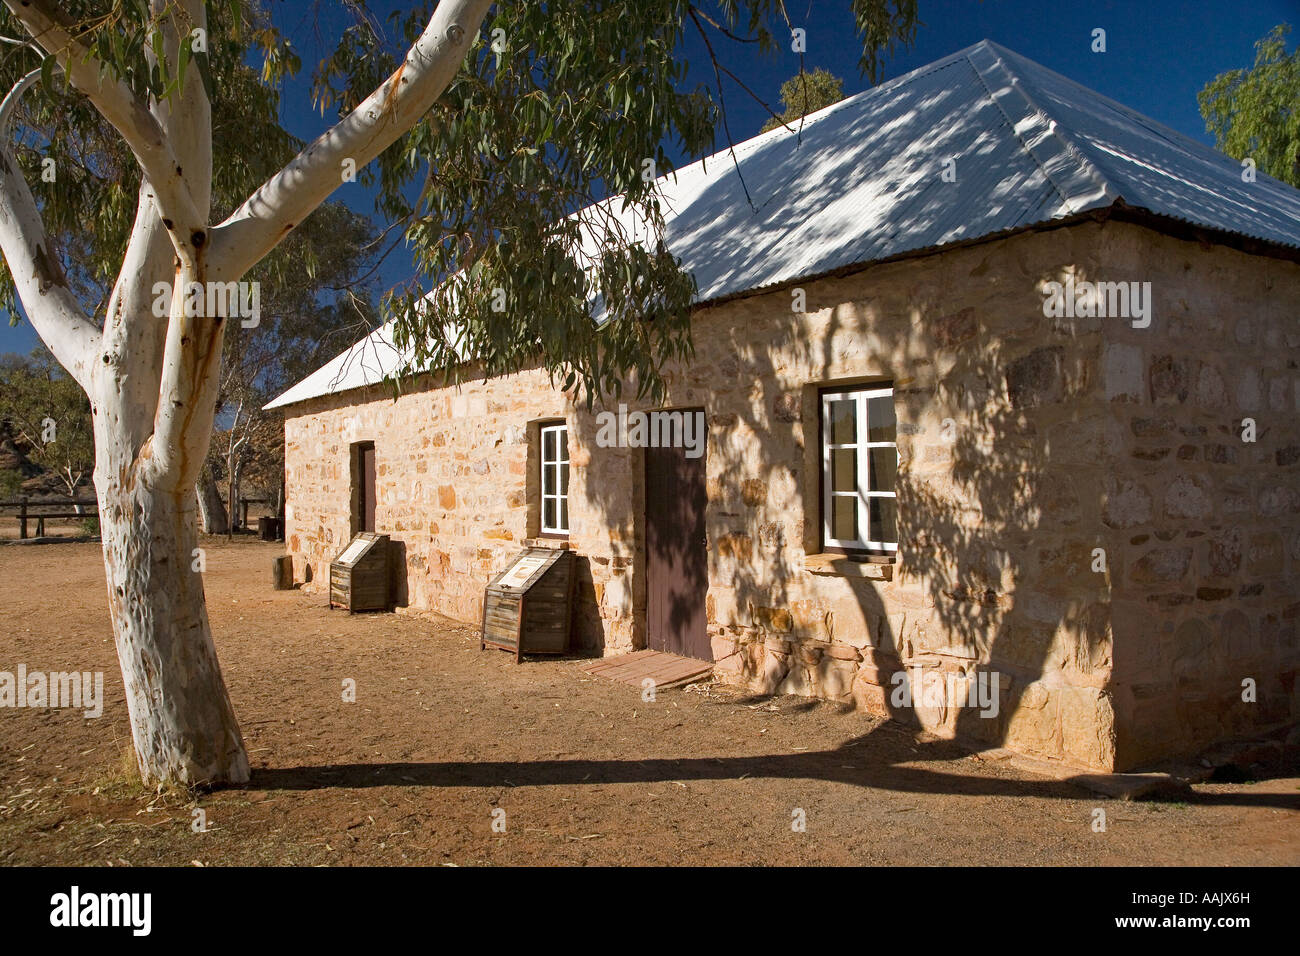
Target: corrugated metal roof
x,y
863,181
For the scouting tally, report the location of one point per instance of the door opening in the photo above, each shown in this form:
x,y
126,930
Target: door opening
x,y
677,574
363,487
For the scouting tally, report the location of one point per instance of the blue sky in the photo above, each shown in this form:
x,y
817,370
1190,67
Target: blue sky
x,y
1159,54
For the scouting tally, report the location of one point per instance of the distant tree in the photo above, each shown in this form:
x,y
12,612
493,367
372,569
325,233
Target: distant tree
x,y
310,314
806,93
48,414
1255,113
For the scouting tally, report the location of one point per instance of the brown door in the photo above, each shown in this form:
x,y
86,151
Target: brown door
x,y
677,577
366,487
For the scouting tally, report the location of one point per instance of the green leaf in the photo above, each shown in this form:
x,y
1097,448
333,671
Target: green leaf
x,y
183,61
47,73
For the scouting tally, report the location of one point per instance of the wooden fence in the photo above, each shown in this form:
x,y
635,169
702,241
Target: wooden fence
x,y
26,510
52,508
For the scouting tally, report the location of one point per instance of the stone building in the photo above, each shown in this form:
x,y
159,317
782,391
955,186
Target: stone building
x,y
1000,385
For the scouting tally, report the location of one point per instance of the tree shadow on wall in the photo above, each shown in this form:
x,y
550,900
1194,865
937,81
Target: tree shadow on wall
x,y
993,587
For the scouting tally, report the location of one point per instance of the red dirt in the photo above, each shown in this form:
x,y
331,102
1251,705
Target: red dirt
x,y
443,734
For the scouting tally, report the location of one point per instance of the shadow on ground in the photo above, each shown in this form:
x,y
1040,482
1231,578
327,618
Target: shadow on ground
x,y
826,765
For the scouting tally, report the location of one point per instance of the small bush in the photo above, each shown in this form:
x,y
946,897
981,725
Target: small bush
x,y
11,483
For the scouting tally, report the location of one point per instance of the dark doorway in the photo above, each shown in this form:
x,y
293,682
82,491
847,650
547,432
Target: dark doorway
x,y
363,478
677,577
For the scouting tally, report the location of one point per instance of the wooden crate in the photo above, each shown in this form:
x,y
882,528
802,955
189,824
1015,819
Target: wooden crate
x,y
528,607
359,579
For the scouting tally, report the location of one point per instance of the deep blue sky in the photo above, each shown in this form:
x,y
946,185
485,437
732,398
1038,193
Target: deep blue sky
x,y
1159,54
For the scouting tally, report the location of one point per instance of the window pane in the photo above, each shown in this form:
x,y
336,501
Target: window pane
x,y
844,517
564,444
842,425
880,417
548,479
564,478
548,445
844,469
564,514
882,466
548,513
884,512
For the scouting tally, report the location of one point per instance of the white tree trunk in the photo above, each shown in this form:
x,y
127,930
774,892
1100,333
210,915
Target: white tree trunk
x,y
232,483
152,390
237,490
212,511
184,727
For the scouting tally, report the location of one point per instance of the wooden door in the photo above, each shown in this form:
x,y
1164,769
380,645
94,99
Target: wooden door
x,y
366,487
677,575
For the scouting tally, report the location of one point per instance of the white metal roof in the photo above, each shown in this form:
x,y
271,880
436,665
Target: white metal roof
x,y
862,181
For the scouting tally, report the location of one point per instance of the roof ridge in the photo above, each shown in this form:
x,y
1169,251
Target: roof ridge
x,y
1073,202
745,146
860,186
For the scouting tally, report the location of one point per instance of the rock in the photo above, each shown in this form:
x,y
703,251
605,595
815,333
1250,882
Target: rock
x,y
835,678
1087,725
1188,496
1211,392
1121,370
1126,504
1161,565
773,618
870,697
1037,378
1131,786
950,330
786,408
1170,380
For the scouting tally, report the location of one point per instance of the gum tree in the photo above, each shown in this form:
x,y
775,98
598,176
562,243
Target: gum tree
x,y
490,136
804,93
48,414
1256,112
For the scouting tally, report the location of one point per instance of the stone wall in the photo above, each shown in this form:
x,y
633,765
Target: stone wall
x,y
1024,445
1204,525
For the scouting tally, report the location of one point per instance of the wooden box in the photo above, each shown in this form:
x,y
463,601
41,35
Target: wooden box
x,y
359,579
527,608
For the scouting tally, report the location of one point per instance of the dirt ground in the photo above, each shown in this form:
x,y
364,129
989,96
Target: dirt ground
x,y
443,735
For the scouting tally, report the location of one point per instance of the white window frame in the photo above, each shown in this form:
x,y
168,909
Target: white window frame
x,y
863,493
552,467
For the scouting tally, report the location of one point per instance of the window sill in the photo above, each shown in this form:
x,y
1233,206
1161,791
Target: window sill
x,y
843,566
557,541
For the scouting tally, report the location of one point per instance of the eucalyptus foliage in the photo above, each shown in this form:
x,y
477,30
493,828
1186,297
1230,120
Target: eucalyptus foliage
x,y
499,187
521,258
1255,113
90,205
805,93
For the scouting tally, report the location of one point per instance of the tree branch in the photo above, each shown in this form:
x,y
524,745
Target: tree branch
x,y
127,114
187,395
288,197
38,276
